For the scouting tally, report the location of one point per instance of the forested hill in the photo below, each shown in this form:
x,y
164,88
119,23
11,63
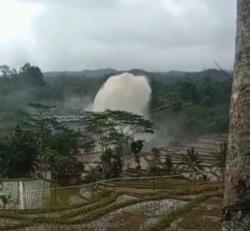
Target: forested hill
x,y
200,100
170,76
86,73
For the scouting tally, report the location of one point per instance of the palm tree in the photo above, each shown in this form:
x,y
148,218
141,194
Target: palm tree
x,y
220,159
237,177
191,162
168,164
154,164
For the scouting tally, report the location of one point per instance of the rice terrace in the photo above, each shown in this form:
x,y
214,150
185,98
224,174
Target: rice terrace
x,y
141,200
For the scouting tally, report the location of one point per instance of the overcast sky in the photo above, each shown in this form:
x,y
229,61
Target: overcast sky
x,y
87,34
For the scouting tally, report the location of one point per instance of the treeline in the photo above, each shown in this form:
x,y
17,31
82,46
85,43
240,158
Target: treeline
x,y
68,95
40,144
199,106
198,102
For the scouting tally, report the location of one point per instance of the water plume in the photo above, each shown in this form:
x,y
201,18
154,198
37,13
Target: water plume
x,y
125,92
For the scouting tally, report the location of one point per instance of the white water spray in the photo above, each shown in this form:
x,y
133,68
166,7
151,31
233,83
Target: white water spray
x,y
125,92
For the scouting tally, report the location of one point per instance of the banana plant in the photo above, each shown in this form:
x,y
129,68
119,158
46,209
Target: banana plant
x,y
5,199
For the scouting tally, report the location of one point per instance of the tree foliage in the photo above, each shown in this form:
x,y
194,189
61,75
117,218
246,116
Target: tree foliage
x,y
196,106
136,147
116,128
39,143
191,162
114,132
168,164
18,154
193,96
221,156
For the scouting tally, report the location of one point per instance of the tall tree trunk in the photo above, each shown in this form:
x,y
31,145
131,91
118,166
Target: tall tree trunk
x,y
237,176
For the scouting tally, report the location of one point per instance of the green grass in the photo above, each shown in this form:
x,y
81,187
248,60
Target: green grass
x,y
104,203
99,196
166,220
205,217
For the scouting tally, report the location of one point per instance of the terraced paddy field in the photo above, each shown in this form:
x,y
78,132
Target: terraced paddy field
x,y
173,204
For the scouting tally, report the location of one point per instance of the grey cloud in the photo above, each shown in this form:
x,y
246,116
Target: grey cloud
x,y
155,35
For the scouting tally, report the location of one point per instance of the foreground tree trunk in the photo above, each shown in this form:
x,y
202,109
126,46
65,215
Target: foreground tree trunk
x,y
237,177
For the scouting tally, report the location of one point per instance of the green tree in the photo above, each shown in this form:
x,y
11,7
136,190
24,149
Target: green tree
x,y
208,92
7,71
136,147
41,143
116,165
18,154
116,129
191,162
106,159
168,164
32,75
154,164
93,174
38,119
87,143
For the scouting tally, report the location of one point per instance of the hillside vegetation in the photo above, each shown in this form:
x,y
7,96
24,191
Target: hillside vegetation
x,y
194,103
